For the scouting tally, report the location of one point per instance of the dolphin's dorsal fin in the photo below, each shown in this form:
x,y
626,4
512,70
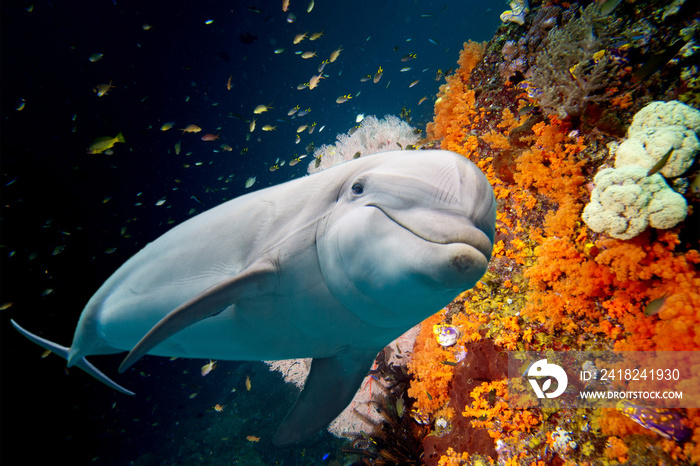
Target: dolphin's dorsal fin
x,y
208,303
329,388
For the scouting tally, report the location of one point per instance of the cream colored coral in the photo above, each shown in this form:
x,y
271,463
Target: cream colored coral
x,y
656,129
625,201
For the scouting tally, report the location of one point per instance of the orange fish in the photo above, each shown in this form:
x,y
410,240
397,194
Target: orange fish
x,y
219,408
252,438
285,5
228,83
210,137
191,129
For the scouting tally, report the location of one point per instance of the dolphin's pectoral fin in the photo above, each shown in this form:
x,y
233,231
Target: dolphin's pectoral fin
x,y
209,303
82,363
329,388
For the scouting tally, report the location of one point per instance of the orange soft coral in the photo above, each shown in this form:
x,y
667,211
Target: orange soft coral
x,y
454,109
431,379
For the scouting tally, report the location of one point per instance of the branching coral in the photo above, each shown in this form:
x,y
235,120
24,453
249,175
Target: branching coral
x,y
566,71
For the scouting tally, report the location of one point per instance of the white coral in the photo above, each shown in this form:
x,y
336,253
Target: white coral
x,y
375,135
625,201
656,129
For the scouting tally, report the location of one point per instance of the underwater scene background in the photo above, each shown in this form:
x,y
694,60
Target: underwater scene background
x,y
544,97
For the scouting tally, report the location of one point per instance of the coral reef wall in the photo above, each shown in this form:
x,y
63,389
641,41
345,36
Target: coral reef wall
x,y
540,109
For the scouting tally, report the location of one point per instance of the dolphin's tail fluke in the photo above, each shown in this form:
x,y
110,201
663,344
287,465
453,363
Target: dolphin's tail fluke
x,y
82,363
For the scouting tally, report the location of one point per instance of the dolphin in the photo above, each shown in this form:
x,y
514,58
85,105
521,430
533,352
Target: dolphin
x,y
332,266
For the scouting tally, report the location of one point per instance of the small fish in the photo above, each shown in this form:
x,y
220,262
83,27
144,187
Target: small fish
x,y
422,100
302,128
262,108
252,438
378,75
291,18
359,117
20,105
146,27
248,385
433,41
219,408
274,167
278,51
95,57
167,125
208,367
413,83
406,68
448,363
210,137
408,57
298,38
285,5
178,147
5,306
228,83
316,35
334,55
269,128
250,182
661,163
251,126
307,55
103,89
310,7
160,201
322,66
313,82
357,155
655,306
292,111
606,7
304,112
226,148
45,354
343,99
209,21
100,145
191,129
400,407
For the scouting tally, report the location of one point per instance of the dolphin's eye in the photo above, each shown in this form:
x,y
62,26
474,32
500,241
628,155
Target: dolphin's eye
x,y
357,189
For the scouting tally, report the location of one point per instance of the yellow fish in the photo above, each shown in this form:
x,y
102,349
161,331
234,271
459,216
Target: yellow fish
x,y
298,38
103,89
269,128
252,438
247,383
167,125
334,55
262,108
207,368
100,145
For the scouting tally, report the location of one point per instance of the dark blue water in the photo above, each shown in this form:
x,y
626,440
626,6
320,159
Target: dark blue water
x,y
69,219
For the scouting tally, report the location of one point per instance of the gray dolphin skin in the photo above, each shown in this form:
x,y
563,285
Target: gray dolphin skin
x,y
332,266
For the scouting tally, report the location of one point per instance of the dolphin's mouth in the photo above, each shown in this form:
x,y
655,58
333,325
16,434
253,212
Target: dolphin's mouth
x,y
452,229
